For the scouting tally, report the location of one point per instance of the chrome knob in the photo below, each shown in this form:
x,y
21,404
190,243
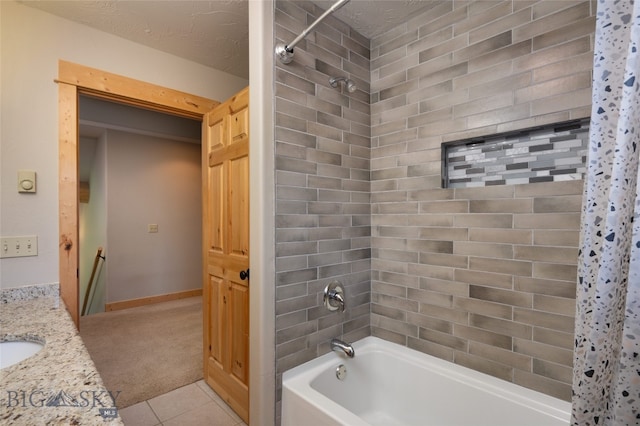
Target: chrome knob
x,y
334,296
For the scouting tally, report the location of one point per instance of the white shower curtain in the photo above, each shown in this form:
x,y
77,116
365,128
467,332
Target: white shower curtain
x,y
606,379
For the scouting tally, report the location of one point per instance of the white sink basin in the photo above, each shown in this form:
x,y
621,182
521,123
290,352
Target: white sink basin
x,y
13,352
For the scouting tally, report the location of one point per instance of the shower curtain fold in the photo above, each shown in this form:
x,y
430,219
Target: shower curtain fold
x,y
606,375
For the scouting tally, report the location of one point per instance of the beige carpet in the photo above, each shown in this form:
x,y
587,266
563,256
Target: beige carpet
x,y
147,351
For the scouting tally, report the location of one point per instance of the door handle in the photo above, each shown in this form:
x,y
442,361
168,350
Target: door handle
x,y
244,275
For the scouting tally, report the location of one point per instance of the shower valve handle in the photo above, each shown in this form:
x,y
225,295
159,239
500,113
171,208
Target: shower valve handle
x,y
334,296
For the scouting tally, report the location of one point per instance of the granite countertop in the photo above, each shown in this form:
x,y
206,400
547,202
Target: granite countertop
x,y
59,384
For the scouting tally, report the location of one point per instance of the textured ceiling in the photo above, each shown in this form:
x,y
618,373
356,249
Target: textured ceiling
x,y
374,17
213,33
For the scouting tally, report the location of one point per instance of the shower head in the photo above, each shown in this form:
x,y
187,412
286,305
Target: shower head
x,y
351,86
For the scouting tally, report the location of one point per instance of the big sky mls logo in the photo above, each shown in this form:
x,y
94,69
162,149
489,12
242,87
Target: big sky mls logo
x,y
104,401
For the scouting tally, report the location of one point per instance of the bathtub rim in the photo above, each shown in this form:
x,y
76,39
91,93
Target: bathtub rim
x,y
298,380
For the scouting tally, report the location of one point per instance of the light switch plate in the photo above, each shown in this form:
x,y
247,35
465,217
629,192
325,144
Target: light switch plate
x,y
18,246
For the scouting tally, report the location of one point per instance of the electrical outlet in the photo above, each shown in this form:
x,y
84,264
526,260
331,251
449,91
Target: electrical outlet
x,y
18,246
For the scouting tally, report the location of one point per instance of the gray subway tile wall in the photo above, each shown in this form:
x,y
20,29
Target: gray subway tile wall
x,y
484,277
500,296
323,200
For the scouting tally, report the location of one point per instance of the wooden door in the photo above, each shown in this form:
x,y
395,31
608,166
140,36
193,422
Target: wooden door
x,y
226,251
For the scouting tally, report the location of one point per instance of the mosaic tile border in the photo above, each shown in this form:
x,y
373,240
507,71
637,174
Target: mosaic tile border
x,y
555,152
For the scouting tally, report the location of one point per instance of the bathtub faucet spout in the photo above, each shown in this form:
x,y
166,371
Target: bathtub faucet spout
x,y
339,345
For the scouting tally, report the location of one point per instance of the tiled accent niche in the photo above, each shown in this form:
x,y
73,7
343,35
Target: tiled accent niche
x,y
323,205
483,277
551,153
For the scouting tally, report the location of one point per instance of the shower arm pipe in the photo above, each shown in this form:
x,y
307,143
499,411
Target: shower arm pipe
x,y
285,51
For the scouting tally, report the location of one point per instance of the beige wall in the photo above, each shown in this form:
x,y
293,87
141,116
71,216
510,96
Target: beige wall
x,y
152,180
92,224
483,277
31,43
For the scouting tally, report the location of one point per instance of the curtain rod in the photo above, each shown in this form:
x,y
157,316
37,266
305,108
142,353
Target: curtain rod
x,y
285,51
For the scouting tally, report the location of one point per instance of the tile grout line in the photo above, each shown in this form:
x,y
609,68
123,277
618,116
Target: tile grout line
x,y
154,413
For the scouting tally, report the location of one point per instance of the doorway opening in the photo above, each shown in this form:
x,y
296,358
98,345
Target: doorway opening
x,y
140,205
75,80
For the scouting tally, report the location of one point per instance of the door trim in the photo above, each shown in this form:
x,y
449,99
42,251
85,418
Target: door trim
x,y
262,312
74,80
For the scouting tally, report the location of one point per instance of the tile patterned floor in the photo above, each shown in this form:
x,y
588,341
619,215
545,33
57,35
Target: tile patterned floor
x,y
192,405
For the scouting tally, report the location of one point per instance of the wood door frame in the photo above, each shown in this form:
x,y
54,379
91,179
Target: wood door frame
x,y
74,80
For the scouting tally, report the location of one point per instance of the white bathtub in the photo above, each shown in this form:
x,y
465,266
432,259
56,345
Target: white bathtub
x,y
388,384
